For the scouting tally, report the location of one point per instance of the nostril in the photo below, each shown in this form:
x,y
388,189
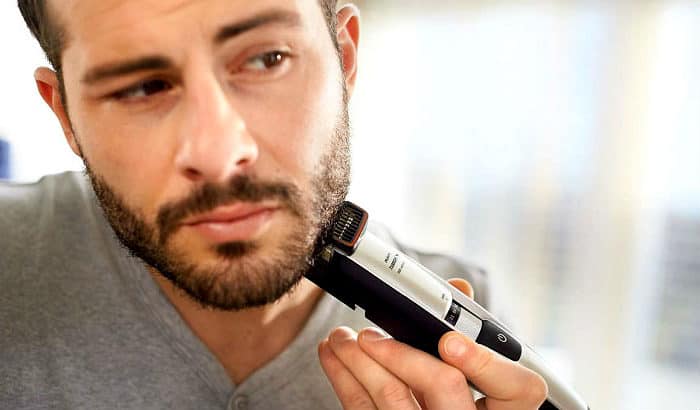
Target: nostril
x,y
193,174
243,162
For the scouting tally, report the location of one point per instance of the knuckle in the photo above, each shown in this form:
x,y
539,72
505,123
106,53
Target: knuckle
x,y
359,400
480,361
536,390
453,381
395,393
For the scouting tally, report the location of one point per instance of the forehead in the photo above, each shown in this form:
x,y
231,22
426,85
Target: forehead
x,y
119,26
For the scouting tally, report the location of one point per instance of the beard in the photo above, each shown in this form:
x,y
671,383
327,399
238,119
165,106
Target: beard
x,y
241,275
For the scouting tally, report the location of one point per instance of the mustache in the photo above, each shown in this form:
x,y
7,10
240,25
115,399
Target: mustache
x,y
209,196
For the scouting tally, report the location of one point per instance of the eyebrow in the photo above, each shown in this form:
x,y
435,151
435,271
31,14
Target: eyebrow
x,y
122,68
284,17
156,62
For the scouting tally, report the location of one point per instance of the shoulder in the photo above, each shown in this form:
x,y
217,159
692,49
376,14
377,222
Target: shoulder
x,y
45,205
21,200
447,266
26,195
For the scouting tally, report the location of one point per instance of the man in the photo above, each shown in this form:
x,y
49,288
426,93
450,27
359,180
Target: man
x,y
215,139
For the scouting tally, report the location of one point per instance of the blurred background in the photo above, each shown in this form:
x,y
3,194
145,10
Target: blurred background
x,y
555,143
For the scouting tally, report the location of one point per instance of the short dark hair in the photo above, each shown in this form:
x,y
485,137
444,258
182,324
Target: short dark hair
x,y
51,35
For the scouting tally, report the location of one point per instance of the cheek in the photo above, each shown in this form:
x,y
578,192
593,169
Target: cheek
x,y
130,157
296,126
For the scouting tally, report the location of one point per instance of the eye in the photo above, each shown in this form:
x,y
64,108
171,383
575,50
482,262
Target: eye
x,y
143,90
266,61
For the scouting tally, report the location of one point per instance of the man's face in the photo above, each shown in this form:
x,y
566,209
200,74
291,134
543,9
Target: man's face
x,y
215,134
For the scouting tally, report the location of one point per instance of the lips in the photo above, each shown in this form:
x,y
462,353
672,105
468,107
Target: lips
x,y
228,214
239,222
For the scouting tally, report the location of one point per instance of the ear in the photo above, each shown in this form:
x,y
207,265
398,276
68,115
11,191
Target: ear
x,y
47,84
348,37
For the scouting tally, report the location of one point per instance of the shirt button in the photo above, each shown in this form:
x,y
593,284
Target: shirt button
x,y
240,403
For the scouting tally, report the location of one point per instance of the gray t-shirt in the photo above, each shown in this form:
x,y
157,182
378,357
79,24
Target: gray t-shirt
x,y
84,326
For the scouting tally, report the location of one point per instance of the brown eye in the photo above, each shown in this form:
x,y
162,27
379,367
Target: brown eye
x,y
266,61
272,59
143,90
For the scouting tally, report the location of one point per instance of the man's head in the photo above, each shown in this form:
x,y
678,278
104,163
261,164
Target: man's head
x,y
215,132
52,37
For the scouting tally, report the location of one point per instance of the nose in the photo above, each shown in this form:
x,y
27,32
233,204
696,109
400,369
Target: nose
x,y
215,143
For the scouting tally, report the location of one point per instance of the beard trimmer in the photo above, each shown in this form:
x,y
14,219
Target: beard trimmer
x,y
413,304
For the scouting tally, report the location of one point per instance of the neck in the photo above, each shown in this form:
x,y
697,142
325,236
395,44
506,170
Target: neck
x,y
245,340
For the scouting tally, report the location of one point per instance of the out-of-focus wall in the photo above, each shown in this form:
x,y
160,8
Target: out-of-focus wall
x,y
36,142
556,143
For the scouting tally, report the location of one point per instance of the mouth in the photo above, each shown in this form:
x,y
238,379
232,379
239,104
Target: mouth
x,y
238,222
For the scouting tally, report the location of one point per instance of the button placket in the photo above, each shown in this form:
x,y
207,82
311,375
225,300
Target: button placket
x,y
239,402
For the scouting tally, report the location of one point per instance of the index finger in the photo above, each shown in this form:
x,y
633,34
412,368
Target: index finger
x,y
441,385
350,392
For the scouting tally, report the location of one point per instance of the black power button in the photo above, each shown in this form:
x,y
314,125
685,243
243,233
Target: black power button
x,y
498,340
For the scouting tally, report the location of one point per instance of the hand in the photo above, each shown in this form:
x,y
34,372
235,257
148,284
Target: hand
x,y
373,371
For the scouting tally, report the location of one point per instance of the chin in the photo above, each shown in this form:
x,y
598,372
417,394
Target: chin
x,y
241,274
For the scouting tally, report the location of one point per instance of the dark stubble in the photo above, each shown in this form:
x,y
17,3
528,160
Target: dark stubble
x,y
241,277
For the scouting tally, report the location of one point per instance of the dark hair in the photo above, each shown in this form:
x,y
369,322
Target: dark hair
x,y
51,35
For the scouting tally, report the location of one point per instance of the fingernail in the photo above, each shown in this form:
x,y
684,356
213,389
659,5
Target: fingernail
x,y
372,335
341,334
455,346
